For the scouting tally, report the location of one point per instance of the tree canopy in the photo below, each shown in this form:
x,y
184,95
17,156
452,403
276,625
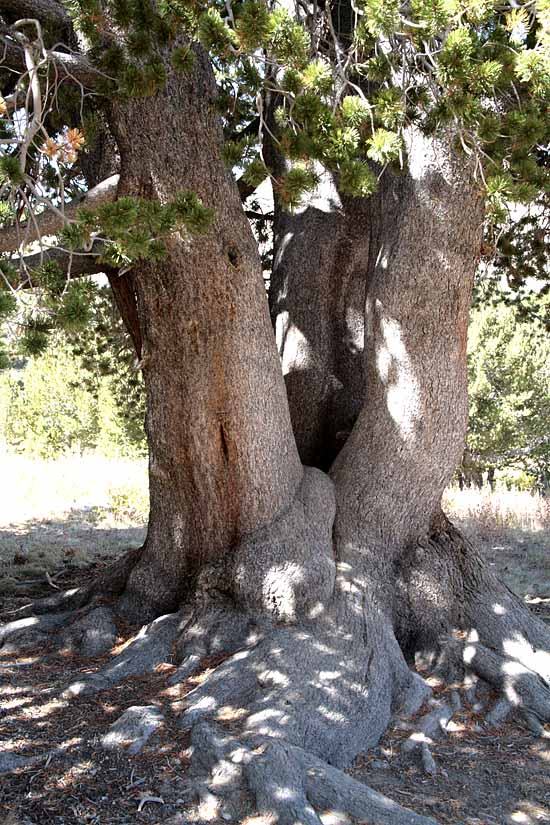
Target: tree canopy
x,y
331,85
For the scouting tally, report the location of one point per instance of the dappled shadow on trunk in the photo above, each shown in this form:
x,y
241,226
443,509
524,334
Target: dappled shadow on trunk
x,y
460,618
317,297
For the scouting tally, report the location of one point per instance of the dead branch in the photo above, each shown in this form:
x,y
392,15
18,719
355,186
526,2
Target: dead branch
x,y
50,222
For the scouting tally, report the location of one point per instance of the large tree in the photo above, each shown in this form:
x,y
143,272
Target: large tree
x,y
299,533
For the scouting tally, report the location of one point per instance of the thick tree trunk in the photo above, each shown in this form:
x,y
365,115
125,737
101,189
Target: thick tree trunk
x,y
416,568
317,297
406,580
222,457
425,236
317,592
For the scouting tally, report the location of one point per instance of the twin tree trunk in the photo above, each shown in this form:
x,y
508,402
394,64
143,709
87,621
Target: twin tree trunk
x,y
350,572
296,521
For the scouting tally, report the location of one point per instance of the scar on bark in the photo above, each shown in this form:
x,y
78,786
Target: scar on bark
x,y
234,256
223,439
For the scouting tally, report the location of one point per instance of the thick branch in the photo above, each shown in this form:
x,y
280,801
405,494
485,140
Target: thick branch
x,y
50,222
46,11
80,265
76,264
71,67
123,290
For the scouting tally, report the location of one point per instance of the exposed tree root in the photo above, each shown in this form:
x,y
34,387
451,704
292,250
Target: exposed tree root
x,y
289,784
108,584
429,727
218,628
133,728
526,691
320,691
29,631
313,676
92,635
151,647
462,620
302,696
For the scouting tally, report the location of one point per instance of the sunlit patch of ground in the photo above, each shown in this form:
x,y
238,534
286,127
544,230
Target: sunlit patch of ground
x,y
512,529
36,489
59,516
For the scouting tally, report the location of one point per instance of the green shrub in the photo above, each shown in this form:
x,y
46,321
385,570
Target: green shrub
x,y
46,409
53,405
509,394
78,391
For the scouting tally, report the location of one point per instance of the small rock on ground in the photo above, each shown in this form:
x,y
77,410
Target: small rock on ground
x,y
133,728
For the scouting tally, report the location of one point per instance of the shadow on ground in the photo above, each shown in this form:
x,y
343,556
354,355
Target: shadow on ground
x,y
43,551
484,776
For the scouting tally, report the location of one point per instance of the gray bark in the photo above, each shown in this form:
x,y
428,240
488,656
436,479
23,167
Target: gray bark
x,y
402,571
317,297
416,568
318,619
425,235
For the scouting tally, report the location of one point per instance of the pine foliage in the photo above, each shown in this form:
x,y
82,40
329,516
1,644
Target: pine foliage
x,y
343,92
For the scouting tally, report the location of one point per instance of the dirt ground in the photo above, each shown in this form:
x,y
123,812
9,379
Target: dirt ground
x,y
484,776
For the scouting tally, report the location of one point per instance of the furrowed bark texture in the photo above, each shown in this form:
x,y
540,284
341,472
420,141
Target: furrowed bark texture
x,y
317,297
318,592
425,234
415,567
223,462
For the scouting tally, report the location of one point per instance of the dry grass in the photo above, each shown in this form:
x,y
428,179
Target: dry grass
x,y
512,530
500,509
114,491
64,514
34,489
58,515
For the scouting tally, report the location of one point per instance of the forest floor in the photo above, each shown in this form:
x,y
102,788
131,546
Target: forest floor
x,y
88,513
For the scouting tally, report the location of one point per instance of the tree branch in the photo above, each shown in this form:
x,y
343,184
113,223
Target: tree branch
x,y
124,294
245,189
50,222
77,265
47,11
507,455
70,67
